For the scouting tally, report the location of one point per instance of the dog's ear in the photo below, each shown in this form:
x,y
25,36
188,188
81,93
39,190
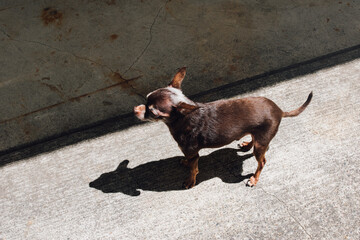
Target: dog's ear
x,y
185,108
122,165
157,112
179,76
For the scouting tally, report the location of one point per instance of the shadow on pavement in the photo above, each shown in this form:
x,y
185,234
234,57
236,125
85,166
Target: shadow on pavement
x,y
168,174
225,91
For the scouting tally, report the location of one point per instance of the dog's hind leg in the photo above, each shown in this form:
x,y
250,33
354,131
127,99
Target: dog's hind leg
x,y
259,152
261,139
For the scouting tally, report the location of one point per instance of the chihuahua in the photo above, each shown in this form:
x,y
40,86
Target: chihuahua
x,y
211,125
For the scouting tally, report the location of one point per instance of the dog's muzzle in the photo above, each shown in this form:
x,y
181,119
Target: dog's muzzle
x,y
139,112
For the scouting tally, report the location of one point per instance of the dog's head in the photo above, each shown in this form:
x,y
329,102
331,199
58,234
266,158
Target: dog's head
x,y
165,102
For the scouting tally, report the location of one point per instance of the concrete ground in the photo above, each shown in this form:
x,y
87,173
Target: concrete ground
x,y
68,65
127,184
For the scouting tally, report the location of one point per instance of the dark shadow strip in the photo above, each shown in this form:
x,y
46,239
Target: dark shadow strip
x,y
225,91
285,73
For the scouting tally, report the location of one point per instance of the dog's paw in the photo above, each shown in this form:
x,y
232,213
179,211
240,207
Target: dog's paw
x,y
245,146
189,183
251,182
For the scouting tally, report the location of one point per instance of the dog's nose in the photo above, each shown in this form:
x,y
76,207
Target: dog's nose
x,y
139,112
136,109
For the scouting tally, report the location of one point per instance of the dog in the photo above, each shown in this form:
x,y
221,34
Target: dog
x,y
196,125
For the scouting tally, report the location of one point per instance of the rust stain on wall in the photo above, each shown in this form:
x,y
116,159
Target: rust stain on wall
x,y
50,15
111,2
218,80
107,103
116,77
124,83
54,89
114,37
232,68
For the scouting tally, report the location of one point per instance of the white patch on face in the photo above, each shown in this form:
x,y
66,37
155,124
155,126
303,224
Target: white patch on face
x,y
178,96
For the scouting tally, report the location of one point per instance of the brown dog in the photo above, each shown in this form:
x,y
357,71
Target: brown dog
x,y
210,125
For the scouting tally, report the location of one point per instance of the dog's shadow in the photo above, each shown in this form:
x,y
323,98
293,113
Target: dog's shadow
x,y
168,174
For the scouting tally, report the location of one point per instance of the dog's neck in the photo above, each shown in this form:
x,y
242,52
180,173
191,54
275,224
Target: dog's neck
x,y
178,96
177,122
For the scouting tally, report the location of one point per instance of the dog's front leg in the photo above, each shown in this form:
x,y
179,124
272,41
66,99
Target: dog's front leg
x,y
192,163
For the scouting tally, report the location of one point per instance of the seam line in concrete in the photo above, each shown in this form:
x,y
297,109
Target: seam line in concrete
x,y
287,209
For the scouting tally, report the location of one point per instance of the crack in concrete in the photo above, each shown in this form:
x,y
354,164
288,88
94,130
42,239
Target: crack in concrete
x,y
126,81
150,39
287,209
64,51
10,38
5,33
63,102
7,8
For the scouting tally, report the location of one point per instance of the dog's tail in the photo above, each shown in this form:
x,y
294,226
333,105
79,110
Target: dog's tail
x,y
299,110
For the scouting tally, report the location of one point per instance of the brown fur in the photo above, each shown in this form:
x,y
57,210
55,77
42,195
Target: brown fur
x,y
210,125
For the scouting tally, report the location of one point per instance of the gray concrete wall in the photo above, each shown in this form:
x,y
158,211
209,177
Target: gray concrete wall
x,y
66,65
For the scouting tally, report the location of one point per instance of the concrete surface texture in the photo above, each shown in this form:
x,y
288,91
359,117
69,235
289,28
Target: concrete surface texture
x,y
309,188
71,64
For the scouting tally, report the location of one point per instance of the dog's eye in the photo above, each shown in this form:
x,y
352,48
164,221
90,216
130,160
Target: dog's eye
x,y
153,110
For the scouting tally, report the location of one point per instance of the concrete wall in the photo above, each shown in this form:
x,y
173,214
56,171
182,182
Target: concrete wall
x,y
66,65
